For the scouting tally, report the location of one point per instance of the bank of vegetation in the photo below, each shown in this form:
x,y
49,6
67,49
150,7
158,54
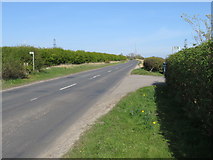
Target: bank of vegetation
x,y
189,76
171,120
148,123
17,62
52,72
130,130
151,66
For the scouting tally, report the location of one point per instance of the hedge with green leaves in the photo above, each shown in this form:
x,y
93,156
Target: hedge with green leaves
x,y
17,62
189,75
153,63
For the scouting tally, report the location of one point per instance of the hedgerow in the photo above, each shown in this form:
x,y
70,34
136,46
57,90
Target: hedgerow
x,y
189,76
17,62
153,63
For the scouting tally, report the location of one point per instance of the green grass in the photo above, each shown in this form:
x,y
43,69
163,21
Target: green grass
x,y
142,71
126,131
51,73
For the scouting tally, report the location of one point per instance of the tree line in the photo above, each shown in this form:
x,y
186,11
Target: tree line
x,y
17,62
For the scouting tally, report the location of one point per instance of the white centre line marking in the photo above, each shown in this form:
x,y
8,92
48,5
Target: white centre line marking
x,y
95,76
33,99
110,71
68,86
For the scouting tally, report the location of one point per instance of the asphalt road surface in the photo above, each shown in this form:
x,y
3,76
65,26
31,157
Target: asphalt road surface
x,y
34,116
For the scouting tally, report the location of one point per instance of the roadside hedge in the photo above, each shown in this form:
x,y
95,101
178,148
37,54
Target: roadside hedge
x,y
153,64
189,76
17,62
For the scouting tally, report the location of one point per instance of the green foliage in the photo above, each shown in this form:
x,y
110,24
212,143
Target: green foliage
x,y
17,62
132,56
153,64
147,123
129,130
189,75
142,71
185,138
12,70
51,72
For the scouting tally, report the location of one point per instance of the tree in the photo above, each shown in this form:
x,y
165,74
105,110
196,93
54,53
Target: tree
x,y
202,27
134,56
153,64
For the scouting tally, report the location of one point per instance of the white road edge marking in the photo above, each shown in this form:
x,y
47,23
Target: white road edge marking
x,y
110,71
68,86
33,99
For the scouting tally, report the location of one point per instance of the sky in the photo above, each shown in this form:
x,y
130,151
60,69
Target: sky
x,y
145,28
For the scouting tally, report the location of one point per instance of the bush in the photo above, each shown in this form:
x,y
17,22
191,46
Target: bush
x,y
21,55
153,64
189,76
13,70
14,58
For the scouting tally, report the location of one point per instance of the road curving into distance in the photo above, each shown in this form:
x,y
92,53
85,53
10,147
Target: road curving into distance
x,y
34,116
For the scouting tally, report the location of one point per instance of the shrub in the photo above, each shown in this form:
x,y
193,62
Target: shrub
x,y
189,76
14,59
12,68
21,55
153,64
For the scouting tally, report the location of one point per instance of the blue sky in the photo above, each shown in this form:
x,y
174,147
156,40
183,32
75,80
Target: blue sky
x,y
150,28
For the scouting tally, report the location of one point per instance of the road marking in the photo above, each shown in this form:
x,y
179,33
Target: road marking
x,y
95,76
33,99
110,71
68,86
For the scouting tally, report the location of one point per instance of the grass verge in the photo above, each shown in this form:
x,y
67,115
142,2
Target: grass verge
x,y
52,72
129,130
147,123
142,71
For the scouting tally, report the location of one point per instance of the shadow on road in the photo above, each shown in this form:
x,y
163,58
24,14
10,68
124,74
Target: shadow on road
x,y
185,139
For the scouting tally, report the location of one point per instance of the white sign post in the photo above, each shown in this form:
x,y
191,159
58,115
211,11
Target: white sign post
x,y
33,60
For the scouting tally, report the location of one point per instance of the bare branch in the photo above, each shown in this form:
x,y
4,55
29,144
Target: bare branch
x,y
202,27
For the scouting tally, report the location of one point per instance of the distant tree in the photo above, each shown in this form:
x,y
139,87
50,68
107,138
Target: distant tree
x,y
138,56
202,27
134,56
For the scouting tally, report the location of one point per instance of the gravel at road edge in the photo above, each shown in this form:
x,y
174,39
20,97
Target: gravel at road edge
x,y
129,84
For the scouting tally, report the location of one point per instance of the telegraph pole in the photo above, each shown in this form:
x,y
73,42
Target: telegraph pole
x,y
54,43
185,43
135,50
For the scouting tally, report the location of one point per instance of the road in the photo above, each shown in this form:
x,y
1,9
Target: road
x,y
34,116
